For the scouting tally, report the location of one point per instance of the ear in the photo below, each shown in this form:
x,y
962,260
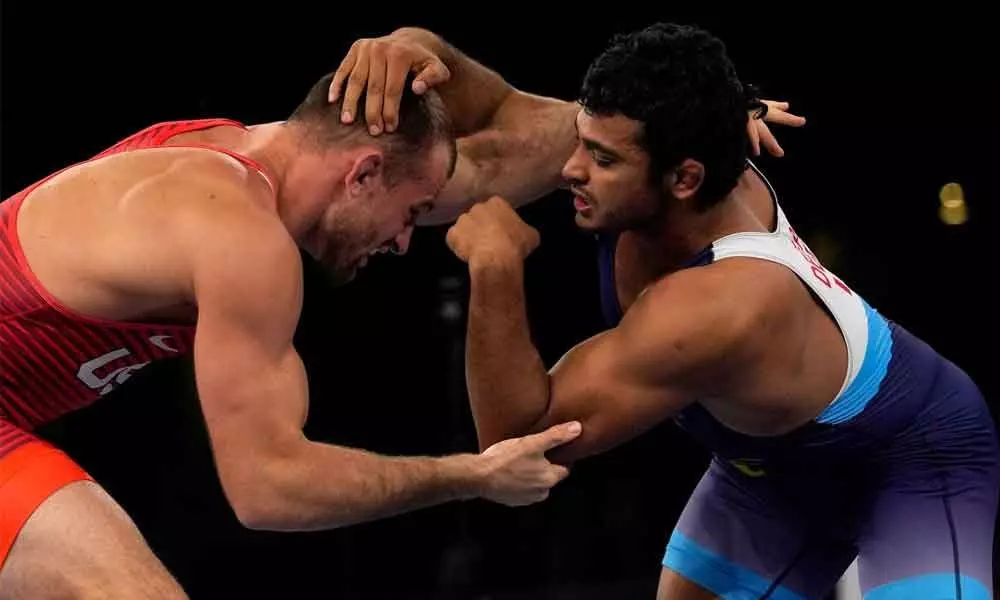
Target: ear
x,y
366,171
684,181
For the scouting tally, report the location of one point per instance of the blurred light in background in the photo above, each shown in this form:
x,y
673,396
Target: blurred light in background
x,y
953,210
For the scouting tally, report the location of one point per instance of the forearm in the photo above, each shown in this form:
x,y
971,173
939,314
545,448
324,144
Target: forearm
x,y
320,486
522,155
507,381
474,92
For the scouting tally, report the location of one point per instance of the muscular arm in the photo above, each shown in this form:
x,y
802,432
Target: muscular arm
x,y
620,383
519,157
511,143
246,279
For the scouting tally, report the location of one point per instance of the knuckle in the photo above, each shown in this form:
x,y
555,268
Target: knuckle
x,y
394,88
357,77
394,51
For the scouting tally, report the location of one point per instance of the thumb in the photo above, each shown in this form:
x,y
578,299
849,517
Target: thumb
x,y
433,74
557,435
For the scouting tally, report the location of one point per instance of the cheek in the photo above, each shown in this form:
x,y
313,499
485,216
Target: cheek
x,y
623,192
609,188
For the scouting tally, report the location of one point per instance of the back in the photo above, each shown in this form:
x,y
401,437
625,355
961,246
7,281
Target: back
x,y
60,350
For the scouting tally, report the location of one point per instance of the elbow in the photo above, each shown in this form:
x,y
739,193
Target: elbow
x,y
255,495
489,438
593,439
258,517
254,508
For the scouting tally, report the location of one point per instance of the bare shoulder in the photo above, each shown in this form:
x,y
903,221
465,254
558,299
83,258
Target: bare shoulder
x,y
217,215
704,320
208,194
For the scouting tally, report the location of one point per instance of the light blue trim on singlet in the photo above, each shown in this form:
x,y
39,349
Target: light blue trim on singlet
x,y
873,369
718,574
935,586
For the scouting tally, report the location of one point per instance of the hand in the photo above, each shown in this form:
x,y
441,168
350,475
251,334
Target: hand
x,y
383,64
516,470
492,229
761,134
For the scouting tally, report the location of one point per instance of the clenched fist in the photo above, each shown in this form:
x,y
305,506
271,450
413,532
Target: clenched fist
x,y
492,230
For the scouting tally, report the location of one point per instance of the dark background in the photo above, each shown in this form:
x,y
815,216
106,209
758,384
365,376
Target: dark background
x,y
897,107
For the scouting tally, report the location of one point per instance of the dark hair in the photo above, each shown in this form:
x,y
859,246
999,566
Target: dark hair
x,y
423,121
677,81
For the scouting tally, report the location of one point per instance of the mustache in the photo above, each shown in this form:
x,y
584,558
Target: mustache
x,y
581,193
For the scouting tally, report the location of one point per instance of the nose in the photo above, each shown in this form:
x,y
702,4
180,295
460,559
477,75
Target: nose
x,y
574,172
401,243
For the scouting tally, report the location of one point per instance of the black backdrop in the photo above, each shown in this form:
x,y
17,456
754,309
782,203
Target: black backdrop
x,y
897,107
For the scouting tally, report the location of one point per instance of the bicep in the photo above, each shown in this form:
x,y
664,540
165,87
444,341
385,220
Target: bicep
x,y
250,379
615,391
518,157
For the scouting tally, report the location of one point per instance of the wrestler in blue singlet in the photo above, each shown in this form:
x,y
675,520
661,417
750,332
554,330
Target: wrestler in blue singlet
x,y
901,470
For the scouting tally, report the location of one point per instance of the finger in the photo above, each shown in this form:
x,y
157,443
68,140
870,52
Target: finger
x,y
355,83
452,236
557,435
433,74
776,105
559,473
754,137
781,117
376,86
770,142
342,72
397,68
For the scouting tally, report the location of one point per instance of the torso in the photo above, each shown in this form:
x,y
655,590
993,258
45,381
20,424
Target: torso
x,y
101,288
800,358
100,246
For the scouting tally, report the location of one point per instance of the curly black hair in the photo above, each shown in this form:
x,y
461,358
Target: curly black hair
x,y
678,81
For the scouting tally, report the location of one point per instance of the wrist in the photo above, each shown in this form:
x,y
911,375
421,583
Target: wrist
x,y
464,474
428,39
496,261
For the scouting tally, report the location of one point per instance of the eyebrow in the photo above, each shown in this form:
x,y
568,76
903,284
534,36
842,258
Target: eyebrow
x,y
594,144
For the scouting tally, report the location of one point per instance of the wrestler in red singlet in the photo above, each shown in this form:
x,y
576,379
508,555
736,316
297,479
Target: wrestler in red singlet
x,y
153,241
54,361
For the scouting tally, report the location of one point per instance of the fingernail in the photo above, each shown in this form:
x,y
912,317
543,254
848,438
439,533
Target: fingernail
x,y
575,427
346,116
419,87
374,130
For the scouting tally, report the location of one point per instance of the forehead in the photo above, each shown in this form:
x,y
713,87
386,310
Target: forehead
x,y
617,133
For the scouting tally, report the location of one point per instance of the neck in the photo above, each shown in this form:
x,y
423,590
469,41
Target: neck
x,y
278,148
681,234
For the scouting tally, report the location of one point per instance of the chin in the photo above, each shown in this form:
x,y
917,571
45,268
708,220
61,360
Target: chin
x,y
589,223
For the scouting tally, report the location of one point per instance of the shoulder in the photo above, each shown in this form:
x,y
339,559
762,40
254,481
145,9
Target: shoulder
x,y
216,197
221,220
215,173
712,317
